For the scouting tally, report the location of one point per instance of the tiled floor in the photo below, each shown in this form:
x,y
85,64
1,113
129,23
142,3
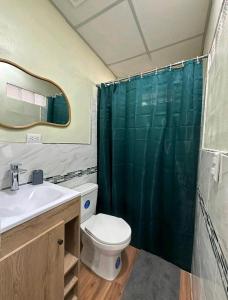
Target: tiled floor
x,y
92,287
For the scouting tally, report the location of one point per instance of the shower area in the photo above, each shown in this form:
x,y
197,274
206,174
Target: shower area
x,y
148,146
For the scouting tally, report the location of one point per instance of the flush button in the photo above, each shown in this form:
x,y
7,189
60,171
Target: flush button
x,y
87,204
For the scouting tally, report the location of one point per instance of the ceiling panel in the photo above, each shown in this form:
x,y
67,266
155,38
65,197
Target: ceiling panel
x,y
113,30
166,22
114,35
132,66
184,50
85,9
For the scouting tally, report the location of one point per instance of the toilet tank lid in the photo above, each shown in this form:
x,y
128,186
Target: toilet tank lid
x,y
86,188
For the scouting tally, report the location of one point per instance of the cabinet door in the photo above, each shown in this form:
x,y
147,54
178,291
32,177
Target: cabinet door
x,y
35,271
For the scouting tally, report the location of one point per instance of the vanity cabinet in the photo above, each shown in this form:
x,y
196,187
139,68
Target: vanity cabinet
x,y
39,260
35,270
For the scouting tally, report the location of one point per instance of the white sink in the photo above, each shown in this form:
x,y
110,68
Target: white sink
x,y
30,201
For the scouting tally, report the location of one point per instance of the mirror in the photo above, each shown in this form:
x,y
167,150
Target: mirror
x,y
27,99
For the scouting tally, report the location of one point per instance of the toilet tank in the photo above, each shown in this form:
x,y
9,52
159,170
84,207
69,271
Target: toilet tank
x,y
88,199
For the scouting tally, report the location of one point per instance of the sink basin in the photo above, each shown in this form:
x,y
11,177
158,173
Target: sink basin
x,y
27,199
17,207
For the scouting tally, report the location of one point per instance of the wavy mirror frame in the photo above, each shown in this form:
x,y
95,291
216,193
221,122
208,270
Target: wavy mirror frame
x,y
40,122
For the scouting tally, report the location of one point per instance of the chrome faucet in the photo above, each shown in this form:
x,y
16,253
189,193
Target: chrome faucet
x,y
14,176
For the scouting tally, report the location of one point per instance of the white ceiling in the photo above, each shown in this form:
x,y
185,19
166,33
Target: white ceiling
x,y
133,36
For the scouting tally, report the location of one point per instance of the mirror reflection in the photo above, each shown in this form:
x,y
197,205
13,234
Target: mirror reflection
x,y
27,100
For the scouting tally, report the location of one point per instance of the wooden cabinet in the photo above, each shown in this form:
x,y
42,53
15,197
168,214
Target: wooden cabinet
x,y
45,260
35,270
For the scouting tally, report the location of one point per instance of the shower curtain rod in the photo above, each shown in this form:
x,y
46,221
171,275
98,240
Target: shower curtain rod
x,y
153,70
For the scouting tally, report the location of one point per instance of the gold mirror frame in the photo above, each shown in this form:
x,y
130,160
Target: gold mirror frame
x,y
40,122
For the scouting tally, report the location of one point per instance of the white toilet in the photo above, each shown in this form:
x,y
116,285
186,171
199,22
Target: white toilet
x,y
104,237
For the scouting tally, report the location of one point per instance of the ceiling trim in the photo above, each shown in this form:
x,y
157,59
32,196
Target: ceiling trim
x,y
106,65
139,28
217,24
157,49
206,24
101,12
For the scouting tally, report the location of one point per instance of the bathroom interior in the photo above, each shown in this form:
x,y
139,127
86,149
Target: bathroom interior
x,y
113,150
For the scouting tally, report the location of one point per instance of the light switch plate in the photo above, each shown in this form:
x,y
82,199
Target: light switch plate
x,y
34,138
215,168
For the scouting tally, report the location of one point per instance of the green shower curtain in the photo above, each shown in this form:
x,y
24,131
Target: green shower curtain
x,y
57,112
148,143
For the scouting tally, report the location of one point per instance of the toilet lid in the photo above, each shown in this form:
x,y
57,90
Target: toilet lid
x,y
108,229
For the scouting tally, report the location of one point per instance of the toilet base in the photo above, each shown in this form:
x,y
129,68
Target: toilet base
x,y
102,260
107,267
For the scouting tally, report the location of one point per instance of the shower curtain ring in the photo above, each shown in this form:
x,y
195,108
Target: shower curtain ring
x,y
182,63
141,75
129,78
170,67
156,71
197,59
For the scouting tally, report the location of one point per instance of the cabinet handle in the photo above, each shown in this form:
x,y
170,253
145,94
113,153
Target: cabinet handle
x,y
60,242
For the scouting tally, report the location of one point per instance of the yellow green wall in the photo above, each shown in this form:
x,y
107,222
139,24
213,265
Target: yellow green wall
x,y
34,35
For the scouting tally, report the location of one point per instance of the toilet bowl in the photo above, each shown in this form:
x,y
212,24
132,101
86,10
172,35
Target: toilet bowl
x,y
103,236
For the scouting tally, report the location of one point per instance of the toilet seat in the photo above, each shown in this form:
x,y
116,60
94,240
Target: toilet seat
x,y
108,229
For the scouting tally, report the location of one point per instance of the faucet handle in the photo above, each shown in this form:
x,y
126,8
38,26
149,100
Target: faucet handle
x,y
15,166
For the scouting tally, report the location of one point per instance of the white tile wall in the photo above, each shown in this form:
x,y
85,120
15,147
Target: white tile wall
x,y
54,159
218,204
206,280
204,169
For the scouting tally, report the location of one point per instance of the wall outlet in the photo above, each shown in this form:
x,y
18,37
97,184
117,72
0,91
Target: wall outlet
x,y
34,138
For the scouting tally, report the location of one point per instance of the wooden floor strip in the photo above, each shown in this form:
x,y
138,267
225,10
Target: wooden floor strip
x,y
185,286
92,287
